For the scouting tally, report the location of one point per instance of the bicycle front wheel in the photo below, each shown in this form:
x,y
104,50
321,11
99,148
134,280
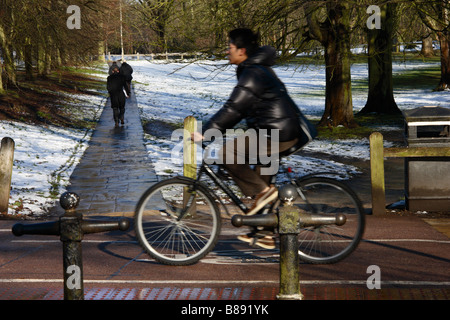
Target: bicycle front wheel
x,y
326,198
177,222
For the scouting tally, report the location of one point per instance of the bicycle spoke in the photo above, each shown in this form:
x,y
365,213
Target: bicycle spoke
x,y
174,234
329,243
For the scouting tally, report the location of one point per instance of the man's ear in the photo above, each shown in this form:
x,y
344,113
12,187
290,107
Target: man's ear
x,y
244,52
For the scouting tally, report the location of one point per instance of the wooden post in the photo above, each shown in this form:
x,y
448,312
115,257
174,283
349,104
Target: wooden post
x,y
189,148
377,173
6,166
189,156
377,155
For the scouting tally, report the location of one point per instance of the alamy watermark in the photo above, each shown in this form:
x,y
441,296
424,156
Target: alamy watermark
x,y
374,21
252,147
74,20
374,280
74,280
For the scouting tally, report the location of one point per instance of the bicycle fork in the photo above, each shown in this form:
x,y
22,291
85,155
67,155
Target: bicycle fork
x,y
189,196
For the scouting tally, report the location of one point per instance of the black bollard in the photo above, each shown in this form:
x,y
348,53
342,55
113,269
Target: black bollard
x,y
71,235
288,222
71,227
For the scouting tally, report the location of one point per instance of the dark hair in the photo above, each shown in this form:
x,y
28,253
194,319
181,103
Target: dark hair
x,y
245,38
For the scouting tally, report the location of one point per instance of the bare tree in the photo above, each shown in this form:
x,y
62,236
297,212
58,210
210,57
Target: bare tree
x,y
157,14
37,33
435,15
381,94
330,25
7,30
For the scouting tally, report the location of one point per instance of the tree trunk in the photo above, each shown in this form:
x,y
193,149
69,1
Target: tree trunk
x,y
427,47
162,44
444,39
439,23
10,67
338,95
101,51
41,60
1,78
48,61
28,57
8,64
381,97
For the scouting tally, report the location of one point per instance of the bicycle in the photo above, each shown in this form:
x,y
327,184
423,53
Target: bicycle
x,y
178,220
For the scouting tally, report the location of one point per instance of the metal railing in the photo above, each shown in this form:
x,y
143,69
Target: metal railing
x,y
71,227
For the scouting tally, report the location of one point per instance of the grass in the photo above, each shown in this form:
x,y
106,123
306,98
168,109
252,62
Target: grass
x,y
38,101
413,78
367,125
42,100
425,78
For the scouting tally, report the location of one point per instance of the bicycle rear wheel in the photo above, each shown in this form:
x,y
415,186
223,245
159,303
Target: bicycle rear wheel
x,y
177,222
329,243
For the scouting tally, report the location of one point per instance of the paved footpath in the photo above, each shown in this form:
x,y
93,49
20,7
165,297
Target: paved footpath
x,y
115,169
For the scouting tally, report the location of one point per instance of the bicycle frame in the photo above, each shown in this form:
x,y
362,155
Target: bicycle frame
x,y
206,169
314,216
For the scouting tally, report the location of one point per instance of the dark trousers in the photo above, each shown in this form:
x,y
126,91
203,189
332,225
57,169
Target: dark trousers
x,y
251,179
118,106
118,114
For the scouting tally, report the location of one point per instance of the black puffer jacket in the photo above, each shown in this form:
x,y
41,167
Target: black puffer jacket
x,y
260,98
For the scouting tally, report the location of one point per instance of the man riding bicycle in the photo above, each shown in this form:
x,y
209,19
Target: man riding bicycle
x,y
262,100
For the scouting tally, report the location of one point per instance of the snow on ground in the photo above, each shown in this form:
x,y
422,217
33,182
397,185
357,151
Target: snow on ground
x,y
45,156
172,91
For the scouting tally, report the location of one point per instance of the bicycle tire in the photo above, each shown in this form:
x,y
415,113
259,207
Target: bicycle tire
x,y
165,237
326,197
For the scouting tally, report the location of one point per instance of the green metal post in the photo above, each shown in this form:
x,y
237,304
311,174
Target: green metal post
x,y
71,227
289,228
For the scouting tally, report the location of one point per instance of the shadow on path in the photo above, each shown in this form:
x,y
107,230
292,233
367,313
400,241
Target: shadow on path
x,y
115,169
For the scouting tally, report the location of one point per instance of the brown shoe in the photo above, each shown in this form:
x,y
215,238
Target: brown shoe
x,y
262,199
246,238
266,242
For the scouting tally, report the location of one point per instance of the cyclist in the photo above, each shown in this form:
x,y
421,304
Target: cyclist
x,y
261,99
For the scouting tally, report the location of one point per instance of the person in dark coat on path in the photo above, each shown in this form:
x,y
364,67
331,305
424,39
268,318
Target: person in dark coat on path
x,y
116,85
126,70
